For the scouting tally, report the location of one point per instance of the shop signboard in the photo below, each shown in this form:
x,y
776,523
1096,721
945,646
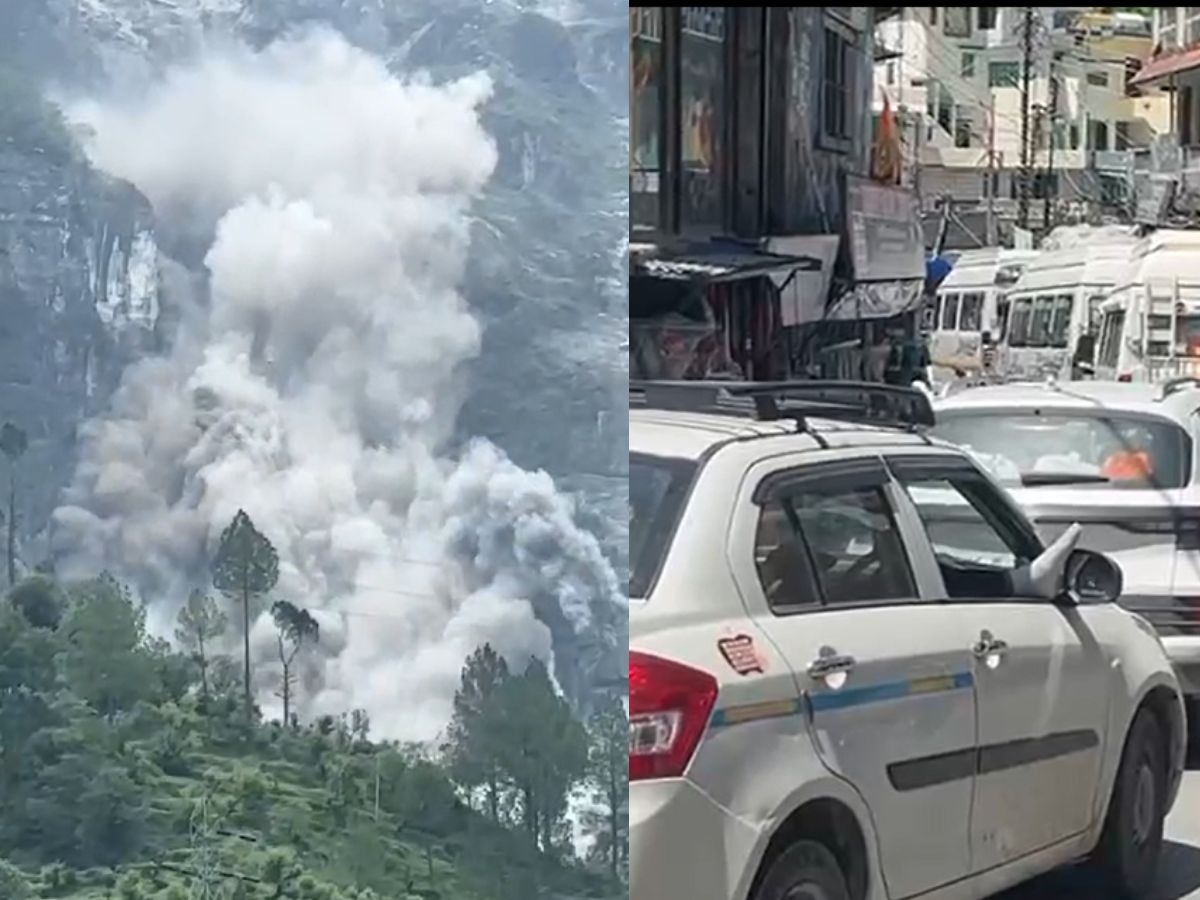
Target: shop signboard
x,y
886,240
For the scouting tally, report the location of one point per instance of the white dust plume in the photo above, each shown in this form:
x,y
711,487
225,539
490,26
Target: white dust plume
x,y
315,381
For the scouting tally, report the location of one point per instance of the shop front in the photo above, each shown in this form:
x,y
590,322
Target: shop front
x,y
871,330
711,310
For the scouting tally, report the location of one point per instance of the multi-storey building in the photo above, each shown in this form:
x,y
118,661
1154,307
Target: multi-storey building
x,y
751,217
1167,176
956,75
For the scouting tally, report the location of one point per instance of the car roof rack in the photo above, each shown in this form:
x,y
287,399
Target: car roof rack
x,y
1175,385
850,401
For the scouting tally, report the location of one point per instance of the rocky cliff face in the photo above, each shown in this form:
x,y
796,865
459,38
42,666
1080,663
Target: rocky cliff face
x,y
78,301
546,271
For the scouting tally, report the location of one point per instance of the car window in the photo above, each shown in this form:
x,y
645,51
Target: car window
x,y
1114,451
830,544
657,489
976,542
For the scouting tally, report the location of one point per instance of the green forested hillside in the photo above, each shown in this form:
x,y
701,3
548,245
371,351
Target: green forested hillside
x,y
131,771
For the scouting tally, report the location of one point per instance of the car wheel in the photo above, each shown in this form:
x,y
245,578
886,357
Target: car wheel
x,y
1131,844
804,871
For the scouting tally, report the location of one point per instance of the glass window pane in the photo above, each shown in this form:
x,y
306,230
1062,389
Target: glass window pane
x,y
1130,452
971,316
950,312
841,541
645,78
702,109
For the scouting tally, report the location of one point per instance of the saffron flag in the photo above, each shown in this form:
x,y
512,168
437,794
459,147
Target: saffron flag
x,y
885,156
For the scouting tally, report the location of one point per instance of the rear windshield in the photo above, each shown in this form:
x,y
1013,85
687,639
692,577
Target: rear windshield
x,y
1118,452
658,486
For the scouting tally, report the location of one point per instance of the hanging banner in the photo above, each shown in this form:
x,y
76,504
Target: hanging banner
x,y
886,240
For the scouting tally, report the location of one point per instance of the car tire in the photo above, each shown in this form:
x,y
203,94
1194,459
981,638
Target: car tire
x,y
1126,859
806,870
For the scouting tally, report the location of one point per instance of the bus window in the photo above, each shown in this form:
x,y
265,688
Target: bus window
x,y
1018,330
1039,324
1003,306
1110,338
1187,335
1060,322
970,316
1094,314
949,312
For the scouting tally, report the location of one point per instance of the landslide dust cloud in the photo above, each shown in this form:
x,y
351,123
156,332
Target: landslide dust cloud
x,y
315,383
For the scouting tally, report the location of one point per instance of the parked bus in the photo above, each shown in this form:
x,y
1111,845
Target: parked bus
x,y
969,313
1151,327
1054,317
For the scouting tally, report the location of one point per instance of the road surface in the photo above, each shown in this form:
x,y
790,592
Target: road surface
x,y
1181,859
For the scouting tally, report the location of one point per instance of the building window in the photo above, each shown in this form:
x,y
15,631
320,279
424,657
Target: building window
x,y
1099,79
891,73
968,65
702,87
962,127
987,18
1003,74
945,113
645,116
1121,136
957,21
1185,115
1097,135
837,84
933,15
1074,139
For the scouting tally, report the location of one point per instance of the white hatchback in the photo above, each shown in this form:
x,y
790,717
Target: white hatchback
x,y
842,687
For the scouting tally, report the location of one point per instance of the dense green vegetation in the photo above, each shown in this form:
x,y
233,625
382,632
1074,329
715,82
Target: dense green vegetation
x,y
130,770
31,123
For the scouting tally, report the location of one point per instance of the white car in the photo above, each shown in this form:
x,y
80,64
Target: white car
x,y
1122,460
835,696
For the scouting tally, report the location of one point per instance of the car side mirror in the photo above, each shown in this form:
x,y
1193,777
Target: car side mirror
x,y
1092,577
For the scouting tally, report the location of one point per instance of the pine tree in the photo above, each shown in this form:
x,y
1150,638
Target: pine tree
x,y
246,567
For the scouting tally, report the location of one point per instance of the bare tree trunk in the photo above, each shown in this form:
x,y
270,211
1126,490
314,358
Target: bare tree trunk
x,y
246,644
203,664
614,824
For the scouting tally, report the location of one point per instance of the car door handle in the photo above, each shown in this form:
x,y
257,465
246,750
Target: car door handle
x,y
987,646
830,665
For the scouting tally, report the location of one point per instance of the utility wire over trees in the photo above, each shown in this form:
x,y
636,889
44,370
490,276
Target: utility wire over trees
x,y
246,567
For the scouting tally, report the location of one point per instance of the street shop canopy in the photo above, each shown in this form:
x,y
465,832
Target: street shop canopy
x,y
719,261
1166,65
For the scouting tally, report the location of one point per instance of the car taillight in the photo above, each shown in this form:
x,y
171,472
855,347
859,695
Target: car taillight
x,y
669,706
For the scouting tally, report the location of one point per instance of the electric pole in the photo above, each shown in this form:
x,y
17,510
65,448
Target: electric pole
x,y
1026,154
990,186
1051,189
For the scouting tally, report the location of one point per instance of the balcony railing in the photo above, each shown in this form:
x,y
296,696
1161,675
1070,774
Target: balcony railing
x,y
1113,161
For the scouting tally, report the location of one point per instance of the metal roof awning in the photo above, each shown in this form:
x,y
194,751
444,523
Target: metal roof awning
x,y
720,261
1167,65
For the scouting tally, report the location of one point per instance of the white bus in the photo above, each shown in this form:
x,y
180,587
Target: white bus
x,y
1151,328
1054,317
971,308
